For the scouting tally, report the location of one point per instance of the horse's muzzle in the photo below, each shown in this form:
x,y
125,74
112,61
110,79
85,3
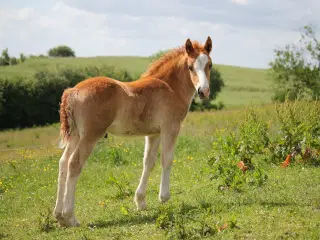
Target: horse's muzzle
x,y
203,93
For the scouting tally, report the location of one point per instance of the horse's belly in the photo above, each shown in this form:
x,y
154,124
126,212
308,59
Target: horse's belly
x,y
131,128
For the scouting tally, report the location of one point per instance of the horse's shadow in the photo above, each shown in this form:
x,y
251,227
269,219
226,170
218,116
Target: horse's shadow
x,y
137,218
130,220
150,217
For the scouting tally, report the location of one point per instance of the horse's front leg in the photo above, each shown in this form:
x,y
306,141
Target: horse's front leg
x,y
168,139
149,160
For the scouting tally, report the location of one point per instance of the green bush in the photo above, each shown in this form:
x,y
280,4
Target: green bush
x,y
294,131
299,131
13,61
61,51
24,103
247,144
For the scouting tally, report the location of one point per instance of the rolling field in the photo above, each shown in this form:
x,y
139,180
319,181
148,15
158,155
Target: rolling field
x,y
243,85
286,207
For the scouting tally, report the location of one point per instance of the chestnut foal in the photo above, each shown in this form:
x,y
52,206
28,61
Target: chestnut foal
x,y
153,106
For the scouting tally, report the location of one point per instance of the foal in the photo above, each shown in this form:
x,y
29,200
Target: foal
x,y
153,106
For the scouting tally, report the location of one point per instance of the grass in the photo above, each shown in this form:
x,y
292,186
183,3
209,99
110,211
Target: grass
x,y
243,85
287,207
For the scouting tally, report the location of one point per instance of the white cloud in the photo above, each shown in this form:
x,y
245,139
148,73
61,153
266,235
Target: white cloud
x,y
241,2
241,35
25,13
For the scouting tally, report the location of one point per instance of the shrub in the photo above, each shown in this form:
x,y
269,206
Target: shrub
x,y
299,131
13,61
235,155
61,51
238,153
16,100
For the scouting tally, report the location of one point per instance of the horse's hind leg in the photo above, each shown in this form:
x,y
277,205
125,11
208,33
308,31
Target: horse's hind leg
x,y
63,168
150,157
75,164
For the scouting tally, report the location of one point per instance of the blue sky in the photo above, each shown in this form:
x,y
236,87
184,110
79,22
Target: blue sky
x,y
244,32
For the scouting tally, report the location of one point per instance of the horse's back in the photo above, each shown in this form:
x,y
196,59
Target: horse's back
x,y
135,108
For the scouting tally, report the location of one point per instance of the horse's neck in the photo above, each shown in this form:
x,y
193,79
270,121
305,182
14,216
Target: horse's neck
x,y
180,82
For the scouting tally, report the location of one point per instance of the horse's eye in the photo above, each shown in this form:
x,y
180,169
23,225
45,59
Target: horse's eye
x,y
190,68
210,65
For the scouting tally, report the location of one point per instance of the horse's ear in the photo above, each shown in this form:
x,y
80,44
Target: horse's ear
x,y
189,47
208,45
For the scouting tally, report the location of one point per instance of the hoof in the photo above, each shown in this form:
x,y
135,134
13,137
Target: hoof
x,y
140,201
57,215
67,220
70,222
164,198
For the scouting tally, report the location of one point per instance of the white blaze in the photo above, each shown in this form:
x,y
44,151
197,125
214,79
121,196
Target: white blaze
x,y
199,67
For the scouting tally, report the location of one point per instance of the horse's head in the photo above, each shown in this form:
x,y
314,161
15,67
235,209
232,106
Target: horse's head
x,y
199,64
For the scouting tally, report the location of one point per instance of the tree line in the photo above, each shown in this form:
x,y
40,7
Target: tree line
x,y
59,51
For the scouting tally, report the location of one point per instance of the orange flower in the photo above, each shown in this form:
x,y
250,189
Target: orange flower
x,y
286,162
242,166
224,226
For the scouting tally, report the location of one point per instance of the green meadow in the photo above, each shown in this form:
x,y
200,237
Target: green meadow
x,y
286,206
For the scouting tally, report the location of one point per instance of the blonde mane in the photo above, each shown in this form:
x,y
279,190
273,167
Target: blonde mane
x,y
166,63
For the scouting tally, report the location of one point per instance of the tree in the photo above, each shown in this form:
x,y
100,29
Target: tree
x,y
13,61
296,68
5,59
22,57
61,51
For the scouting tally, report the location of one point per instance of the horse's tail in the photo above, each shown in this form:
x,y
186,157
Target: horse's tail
x,y
66,115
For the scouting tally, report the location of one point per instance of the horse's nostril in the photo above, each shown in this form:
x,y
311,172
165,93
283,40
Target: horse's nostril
x,y
200,93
